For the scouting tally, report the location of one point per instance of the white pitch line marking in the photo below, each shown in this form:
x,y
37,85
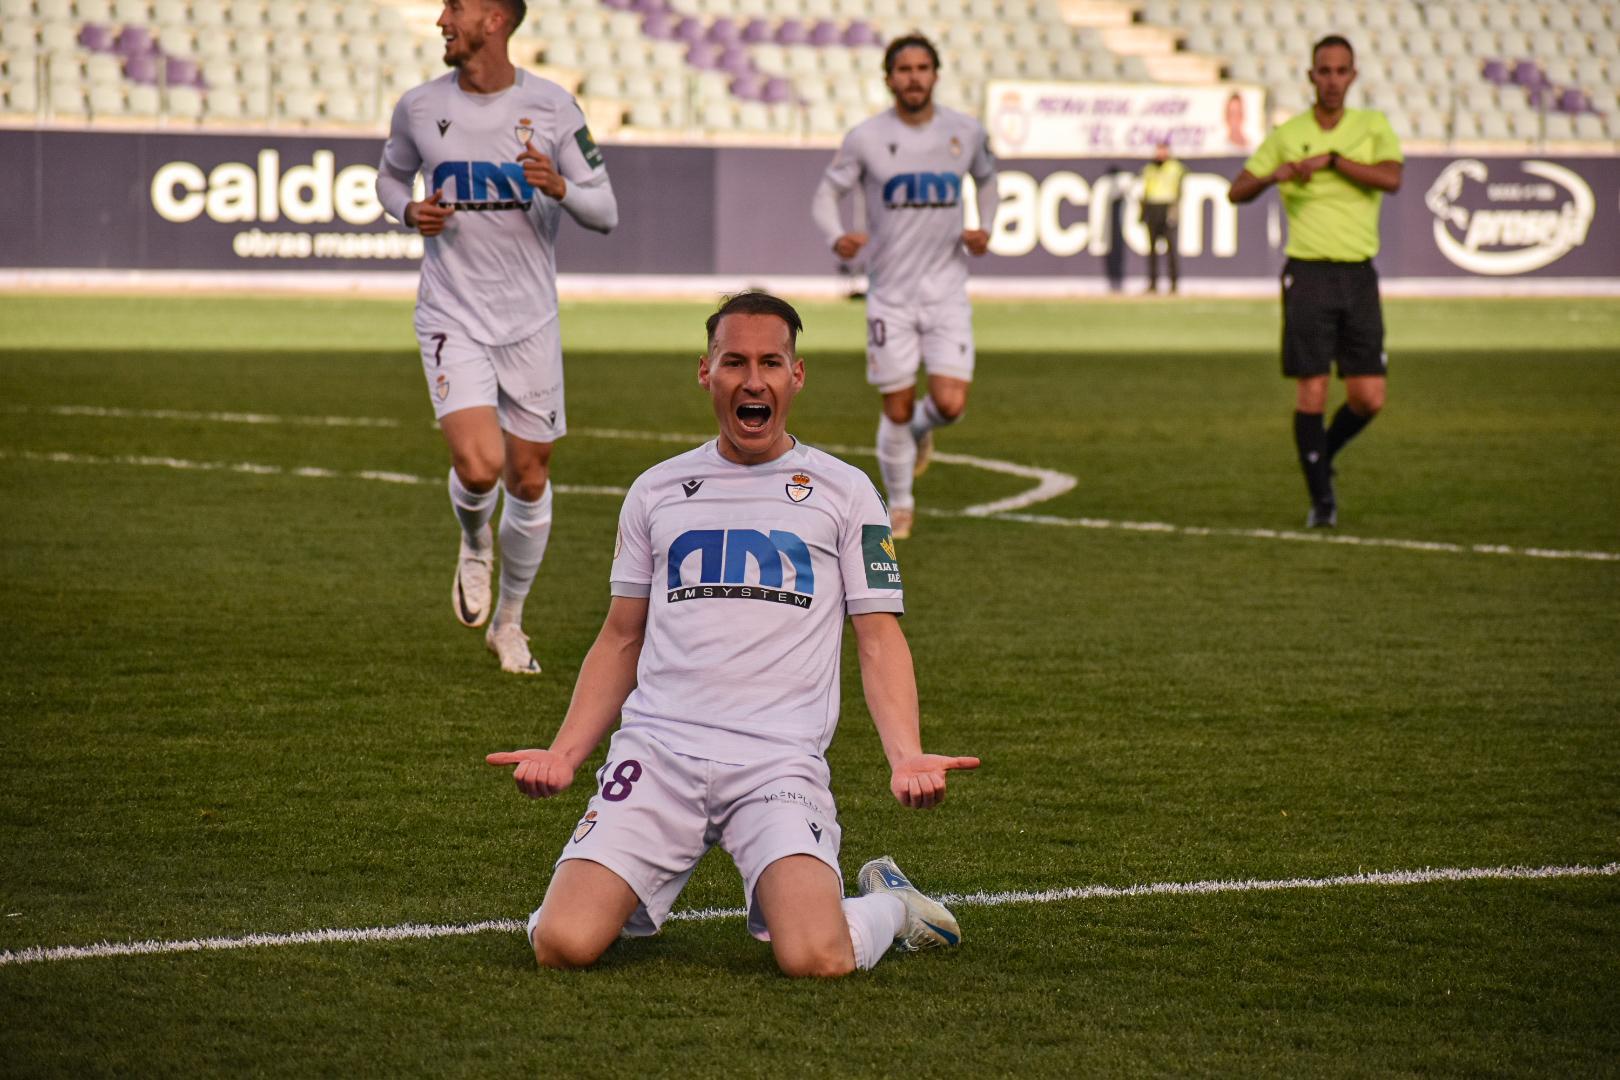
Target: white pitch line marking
x,y
418,931
1317,537
1049,484
305,472
107,412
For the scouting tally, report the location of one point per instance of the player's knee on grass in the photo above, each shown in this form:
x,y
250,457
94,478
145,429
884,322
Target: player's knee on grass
x,y
801,956
566,949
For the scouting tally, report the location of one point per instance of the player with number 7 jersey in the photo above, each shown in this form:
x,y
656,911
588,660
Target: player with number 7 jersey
x,y
735,566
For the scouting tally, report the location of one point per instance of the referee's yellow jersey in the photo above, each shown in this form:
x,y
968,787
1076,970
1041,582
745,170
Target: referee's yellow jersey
x,y
1330,217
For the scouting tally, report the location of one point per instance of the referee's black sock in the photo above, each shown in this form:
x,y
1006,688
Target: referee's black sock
x,y
1347,424
1311,440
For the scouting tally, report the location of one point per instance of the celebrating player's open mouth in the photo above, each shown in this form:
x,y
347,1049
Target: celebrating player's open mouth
x,y
754,416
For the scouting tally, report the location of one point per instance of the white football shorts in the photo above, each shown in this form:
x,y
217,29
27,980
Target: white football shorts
x,y
523,381
901,338
656,813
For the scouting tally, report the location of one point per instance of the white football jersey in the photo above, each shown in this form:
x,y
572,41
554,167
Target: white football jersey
x,y
749,571
911,178
493,270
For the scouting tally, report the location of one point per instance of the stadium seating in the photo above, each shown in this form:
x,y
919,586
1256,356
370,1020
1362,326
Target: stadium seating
x,y
1464,69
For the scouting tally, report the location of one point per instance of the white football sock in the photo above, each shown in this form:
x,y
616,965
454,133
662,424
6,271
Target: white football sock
x,y
897,457
875,920
926,417
525,528
473,510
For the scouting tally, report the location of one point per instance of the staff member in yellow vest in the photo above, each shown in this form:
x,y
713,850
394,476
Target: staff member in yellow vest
x,y
1161,202
1332,166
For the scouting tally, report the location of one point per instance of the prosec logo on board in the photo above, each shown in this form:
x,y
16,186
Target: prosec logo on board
x,y
1508,226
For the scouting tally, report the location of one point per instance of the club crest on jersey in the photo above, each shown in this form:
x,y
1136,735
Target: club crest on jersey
x,y
586,824
956,146
524,131
800,489
441,387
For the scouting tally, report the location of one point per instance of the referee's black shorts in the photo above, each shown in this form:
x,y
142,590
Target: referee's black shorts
x,y
1331,312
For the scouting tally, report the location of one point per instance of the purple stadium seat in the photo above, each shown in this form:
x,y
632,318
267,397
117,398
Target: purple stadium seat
x,y
96,38
1495,71
689,30
1573,101
859,33
1528,73
179,71
824,32
723,31
617,5
141,68
703,56
791,32
736,60
647,7
659,25
749,87
776,91
756,31
136,41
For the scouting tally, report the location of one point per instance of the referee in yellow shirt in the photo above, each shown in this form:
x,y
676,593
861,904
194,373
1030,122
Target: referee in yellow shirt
x,y
1161,201
1331,166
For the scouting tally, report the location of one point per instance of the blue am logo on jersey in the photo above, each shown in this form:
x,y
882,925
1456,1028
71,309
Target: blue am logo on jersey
x,y
483,185
741,564
922,190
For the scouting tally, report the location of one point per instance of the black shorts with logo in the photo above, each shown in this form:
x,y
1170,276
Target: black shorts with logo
x,y
1331,312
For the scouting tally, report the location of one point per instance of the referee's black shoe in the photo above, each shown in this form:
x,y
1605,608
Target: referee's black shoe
x,y
1324,515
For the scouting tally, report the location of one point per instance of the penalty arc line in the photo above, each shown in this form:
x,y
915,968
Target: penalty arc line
x,y
420,931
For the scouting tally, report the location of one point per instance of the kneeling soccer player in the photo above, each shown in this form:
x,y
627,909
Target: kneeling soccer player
x,y
728,686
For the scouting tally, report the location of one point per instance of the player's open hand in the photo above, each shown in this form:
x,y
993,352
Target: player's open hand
x,y
541,173
919,781
849,245
540,773
427,216
977,241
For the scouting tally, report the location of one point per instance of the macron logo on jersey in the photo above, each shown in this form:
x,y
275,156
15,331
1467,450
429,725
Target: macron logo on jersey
x,y
723,565
483,185
922,191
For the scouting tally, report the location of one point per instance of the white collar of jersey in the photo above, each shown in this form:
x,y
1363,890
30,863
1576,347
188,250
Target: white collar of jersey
x,y
484,99
796,450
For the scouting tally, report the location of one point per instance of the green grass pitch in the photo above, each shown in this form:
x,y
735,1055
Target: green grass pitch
x,y
235,701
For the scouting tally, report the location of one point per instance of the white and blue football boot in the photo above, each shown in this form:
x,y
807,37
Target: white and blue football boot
x,y
929,924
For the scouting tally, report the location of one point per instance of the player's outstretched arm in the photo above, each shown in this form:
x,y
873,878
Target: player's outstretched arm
x,y
605,680
916,779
